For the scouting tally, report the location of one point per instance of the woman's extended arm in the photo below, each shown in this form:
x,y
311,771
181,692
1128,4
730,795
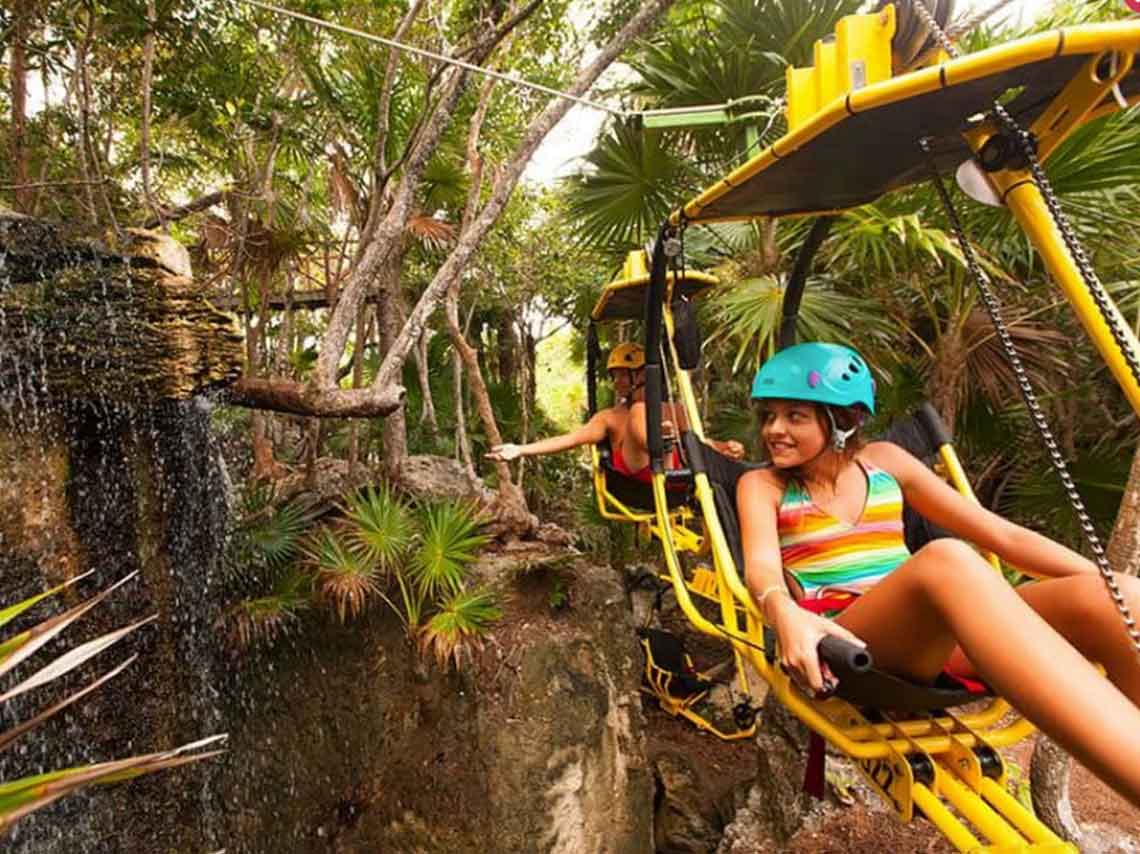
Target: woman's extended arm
x,y
592,432
798,631
943,505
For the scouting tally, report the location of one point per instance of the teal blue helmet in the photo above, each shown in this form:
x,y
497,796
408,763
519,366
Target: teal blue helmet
x,y
830,374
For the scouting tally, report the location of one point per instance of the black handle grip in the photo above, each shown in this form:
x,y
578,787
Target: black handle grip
x,y
843,656
935,427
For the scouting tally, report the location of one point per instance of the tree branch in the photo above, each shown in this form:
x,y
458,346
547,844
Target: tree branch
x,y
183,211
303,399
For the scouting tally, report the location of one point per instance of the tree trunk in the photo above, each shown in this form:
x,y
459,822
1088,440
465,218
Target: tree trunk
x,y
144,121
18,76
506,179
385,393
427,414
945,385
1124,546
507,347
511,513
1049,772
362,331
389,324
81,109
462,443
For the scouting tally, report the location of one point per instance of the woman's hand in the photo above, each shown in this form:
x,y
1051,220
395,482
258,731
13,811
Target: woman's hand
x,y
799,633
732,449
505,452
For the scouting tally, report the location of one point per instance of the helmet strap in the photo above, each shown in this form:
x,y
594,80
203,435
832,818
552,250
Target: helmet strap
x,y
838,437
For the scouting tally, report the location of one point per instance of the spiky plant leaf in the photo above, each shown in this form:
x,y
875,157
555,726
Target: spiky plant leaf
x,y
20,797
13,611
379,525
72,659
461,624
20,647
450,539
12,735
343,575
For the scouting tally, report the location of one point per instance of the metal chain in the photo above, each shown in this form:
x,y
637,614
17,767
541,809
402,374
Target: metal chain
x,y
993,307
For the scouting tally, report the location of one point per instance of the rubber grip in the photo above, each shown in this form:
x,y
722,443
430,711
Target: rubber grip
x,y
845,656
935,427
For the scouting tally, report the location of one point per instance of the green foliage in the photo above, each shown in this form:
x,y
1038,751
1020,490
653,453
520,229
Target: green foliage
x,y
344,575
450,538
457,629
379,525
269,532
748,316
629,182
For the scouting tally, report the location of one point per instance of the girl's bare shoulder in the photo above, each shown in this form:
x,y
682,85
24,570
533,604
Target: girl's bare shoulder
x,y
886,455
766,482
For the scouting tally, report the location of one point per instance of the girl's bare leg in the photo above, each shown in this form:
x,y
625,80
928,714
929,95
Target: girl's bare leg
x,y
946,595
1080,608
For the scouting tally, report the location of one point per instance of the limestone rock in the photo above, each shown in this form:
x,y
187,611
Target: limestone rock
x,y
82,323
160,248
685,822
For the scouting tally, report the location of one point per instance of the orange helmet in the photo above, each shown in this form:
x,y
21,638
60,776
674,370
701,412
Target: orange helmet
x,y
627,355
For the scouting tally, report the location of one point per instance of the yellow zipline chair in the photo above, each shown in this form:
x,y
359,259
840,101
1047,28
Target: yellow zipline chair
x,y
855,133
671,677
621,498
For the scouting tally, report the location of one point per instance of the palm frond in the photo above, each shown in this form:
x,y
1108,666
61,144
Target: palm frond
x,y
627,185
343,575
747,316
379,525
19,798
458,629
272,531
450,540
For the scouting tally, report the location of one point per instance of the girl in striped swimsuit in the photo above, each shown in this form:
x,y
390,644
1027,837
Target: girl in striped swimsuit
x,y
824,555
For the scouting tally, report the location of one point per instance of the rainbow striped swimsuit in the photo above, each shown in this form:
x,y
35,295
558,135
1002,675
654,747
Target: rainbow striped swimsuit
x,y
826,555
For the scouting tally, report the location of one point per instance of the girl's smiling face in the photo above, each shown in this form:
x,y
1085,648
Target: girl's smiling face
x,y
793,432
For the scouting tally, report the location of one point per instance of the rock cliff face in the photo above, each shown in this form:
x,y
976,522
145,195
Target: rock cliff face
x,y
348,745
341,740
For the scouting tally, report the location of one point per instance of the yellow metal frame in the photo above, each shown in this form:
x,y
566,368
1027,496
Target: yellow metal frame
x,y
635,274
945,741
1023,197
1121,36
658,679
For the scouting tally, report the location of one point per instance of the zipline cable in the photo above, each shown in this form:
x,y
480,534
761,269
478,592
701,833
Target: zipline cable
x,y
439,57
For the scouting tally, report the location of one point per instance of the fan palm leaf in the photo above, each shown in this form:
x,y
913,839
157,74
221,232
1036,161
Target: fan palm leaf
x,y
450,540
379,525
747,317
344,576
458,628
626,186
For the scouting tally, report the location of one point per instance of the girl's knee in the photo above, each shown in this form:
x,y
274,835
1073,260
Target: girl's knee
x,y
948,562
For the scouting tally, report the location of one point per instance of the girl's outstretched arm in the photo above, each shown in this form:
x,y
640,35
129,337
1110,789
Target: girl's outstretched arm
x,y
943,505
592,432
